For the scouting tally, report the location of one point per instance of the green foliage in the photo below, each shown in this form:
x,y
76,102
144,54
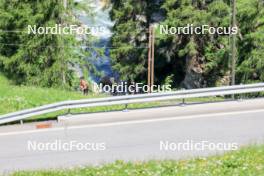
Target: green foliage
x,y
41,60
251,41
14,98
178,54
172,52
169,80
210,52
45,60
245,162
130,38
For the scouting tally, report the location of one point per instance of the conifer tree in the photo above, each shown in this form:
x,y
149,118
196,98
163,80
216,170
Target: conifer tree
x,y
42,60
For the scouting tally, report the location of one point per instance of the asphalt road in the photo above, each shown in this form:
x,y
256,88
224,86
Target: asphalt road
x,y
134,135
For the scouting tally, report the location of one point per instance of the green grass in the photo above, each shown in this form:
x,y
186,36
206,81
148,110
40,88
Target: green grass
x,y
14,98
245,162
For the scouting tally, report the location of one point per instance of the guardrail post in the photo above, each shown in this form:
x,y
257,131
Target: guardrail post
x,y
183,102
69,112
126,105
126,108
241,95
21,122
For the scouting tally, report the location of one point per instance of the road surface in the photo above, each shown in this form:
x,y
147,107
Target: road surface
x,y
134,135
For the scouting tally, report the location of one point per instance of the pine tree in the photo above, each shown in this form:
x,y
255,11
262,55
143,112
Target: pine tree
x,y
199,56
132,19
251,41
41,60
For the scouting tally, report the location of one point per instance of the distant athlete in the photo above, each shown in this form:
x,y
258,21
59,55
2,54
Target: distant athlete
x,y
84,86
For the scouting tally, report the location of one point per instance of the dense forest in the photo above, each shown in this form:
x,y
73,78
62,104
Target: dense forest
x,y
43,60
189,61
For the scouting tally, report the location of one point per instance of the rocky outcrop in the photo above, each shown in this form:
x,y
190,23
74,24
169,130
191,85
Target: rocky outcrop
x,y
194,73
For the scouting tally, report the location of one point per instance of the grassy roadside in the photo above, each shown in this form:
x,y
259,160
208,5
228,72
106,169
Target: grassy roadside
x,y
14,98
245,162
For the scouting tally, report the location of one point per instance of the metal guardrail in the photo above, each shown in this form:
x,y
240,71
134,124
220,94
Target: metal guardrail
x,y
129,99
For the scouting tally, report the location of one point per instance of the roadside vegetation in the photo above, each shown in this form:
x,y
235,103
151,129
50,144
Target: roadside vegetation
x,y
192,60
41,60
37,65
245,162
14,98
